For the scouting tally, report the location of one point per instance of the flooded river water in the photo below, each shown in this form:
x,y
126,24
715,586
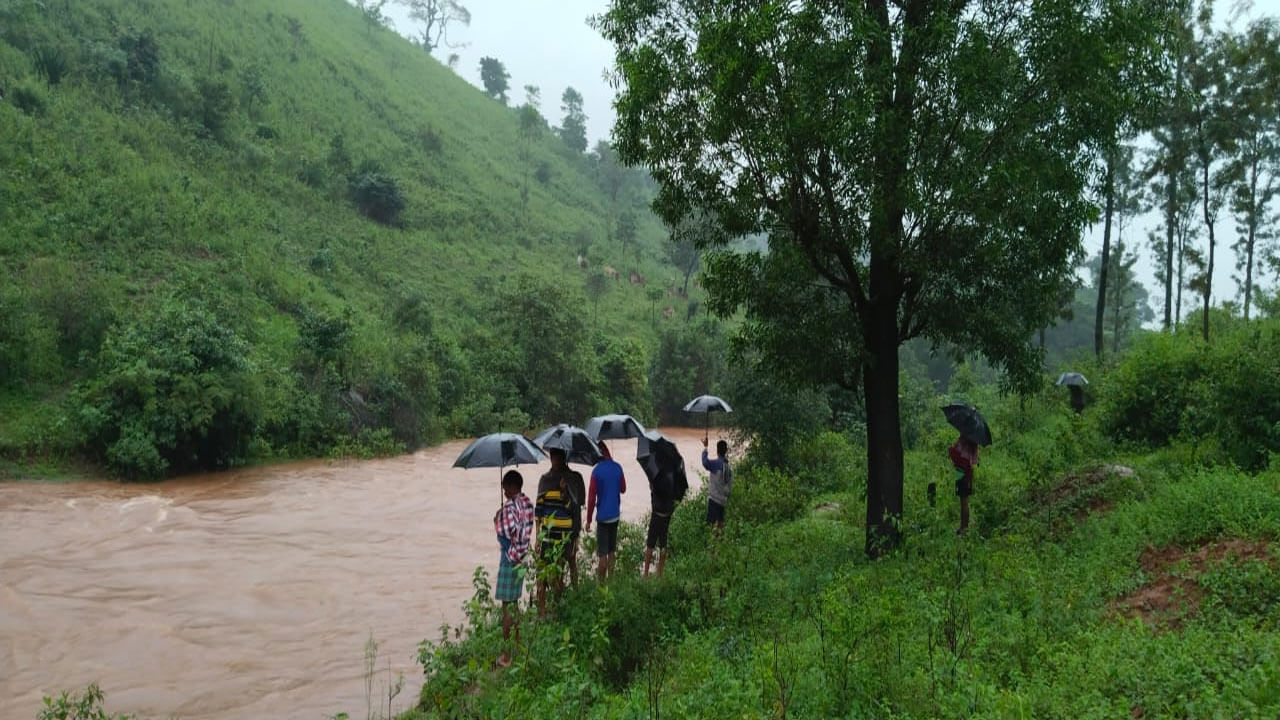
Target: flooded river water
x,y
248,594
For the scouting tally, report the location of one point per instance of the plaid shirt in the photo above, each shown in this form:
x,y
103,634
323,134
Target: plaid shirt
x,y
515,523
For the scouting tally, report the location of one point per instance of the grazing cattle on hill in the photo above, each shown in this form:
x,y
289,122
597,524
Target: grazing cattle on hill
x,y
582,262
637,278
610,273
668,312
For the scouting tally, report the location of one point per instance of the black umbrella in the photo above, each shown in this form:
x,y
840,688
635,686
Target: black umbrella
x,y
656,453
498,450
707,404
614,427
968,421
578,446
1072,378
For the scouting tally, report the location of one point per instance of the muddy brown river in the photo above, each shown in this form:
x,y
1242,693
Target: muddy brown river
x,y
248,594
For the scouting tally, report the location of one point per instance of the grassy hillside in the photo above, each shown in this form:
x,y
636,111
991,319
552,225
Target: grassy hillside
x,y
201,251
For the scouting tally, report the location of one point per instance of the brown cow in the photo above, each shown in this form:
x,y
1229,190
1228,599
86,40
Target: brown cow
x,y
610,273
637,278
668,312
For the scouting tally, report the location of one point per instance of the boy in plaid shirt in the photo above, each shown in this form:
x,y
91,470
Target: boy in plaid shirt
x,y
514,525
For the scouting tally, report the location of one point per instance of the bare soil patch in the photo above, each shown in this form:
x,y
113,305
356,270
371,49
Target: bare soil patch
x,y
1173,593
1078,494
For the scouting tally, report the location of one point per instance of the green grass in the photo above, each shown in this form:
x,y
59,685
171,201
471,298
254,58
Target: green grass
x,y
117,196
1017,619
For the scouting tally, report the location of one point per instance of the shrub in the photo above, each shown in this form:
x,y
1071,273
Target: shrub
x,y
378,196
173,392
1228,393
51,64
28,100
76,706
215,104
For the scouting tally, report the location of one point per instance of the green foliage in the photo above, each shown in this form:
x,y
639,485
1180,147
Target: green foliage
x,y
1171,386
173,391
215,104
689,361
494,75
233,158
74,706
28,99
378,196
1019,618
51,64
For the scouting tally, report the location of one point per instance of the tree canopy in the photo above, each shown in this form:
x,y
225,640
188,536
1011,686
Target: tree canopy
x,y
920,169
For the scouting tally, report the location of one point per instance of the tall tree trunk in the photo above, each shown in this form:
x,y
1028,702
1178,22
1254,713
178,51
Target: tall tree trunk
x,y
1208,222
1106,255
1181,248
884,439
1117,316
1170,221
1252,222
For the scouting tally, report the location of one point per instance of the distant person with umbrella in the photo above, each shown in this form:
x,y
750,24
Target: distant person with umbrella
x,y
719,483
1075,383
605,492
964,452
513,523
664,467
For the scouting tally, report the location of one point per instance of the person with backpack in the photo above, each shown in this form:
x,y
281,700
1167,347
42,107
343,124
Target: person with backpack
x,y
555,513
605,492
719,483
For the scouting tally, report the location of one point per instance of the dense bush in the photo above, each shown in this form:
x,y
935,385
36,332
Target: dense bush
x,y
1177,386
173,392
378,196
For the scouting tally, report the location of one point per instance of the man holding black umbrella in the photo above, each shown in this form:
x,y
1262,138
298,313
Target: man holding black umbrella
x,y
574,489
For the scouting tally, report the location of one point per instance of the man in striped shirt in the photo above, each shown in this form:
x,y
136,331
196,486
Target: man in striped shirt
x,y
555,513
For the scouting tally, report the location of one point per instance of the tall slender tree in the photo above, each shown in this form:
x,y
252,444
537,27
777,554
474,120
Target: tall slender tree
x,y
573,128
1122,198
1206,88
1169,127
919,168
1251,114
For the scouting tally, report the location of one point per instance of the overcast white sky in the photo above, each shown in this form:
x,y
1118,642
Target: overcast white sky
x,y
548,43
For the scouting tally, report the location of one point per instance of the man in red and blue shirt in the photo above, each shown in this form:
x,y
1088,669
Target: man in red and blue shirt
x,y
605,493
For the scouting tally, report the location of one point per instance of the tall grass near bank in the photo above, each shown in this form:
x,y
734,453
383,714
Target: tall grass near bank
x,y
1022,617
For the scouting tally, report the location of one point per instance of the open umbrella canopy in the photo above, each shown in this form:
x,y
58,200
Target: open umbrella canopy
x,y
1072,378
614,427
707,404
656,453
578,446
968,421
498,450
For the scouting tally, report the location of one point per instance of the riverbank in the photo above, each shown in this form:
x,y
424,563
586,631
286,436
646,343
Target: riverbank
x,y
1094,582
246,593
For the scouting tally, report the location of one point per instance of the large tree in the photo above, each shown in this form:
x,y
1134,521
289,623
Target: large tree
x,y
1121,191
494,75
1207,133
920,168
573,129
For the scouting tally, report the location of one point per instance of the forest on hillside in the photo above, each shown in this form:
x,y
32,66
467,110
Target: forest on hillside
x,y
235,232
